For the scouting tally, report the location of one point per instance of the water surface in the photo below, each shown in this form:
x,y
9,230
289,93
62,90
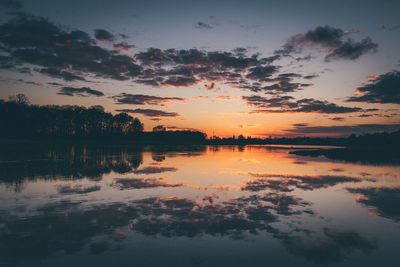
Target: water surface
x,y
77,205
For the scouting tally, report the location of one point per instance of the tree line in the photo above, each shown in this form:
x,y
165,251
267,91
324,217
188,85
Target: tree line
x,y
21,120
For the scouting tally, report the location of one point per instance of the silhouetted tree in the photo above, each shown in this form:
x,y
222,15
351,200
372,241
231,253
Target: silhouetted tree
x,y
20,99
19,119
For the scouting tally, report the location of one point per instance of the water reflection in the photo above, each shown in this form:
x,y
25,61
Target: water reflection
x,y
382,201
66,204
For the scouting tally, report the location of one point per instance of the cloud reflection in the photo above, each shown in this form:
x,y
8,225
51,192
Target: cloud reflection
x,y
288,182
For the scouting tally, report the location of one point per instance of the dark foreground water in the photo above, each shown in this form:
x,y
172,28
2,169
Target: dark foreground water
x,y
194,206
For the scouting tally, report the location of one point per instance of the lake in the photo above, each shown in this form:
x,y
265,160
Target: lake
x,y
87,205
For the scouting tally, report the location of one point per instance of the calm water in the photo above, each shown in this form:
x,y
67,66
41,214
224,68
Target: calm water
x,y
194,206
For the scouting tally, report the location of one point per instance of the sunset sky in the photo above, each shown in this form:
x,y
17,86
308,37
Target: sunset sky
x,y
259,68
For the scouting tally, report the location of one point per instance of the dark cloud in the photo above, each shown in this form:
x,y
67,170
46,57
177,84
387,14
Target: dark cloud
x,y
202,25
283,82
344,129
383,89
331,40
325,36
37,41
55,84
73,54
140,183
103,35
300,124
65,75
383,201
179,81
366,115
151,170
83,91
287,183
78,189
261,73
337,119
181,68
287,104
144,99
150,112
312,76
352,50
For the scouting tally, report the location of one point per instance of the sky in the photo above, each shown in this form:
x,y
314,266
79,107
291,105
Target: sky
x,y
257,68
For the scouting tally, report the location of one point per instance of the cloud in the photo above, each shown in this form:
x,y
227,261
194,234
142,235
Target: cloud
x,y
300,124
144,99
325,36
383,200
311,76
182,68
34,40
344,129
331,40
151,170
103,35
140,183
57,73
288,182
352,50
78,189
202,25
179,81
83,91
384,88
287,104
73,54
337,118
261,73
150,112
283,81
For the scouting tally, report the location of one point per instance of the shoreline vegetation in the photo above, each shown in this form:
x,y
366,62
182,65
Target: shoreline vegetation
x,y
22,122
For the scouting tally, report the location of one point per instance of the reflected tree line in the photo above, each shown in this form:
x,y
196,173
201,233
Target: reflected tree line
x,y
21,162
67,162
